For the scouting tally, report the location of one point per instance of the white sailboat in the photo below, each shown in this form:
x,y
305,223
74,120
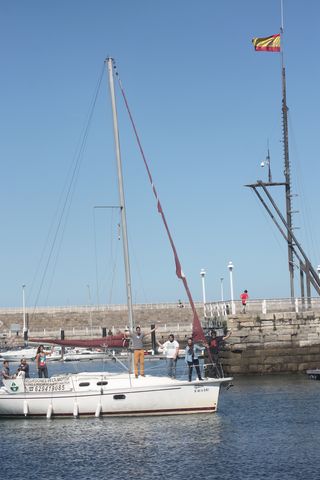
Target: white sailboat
x,y
110,394
83,354
17,355
29,354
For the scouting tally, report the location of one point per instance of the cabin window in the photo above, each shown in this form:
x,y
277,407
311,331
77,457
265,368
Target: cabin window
x,y
102,383
119,397
84,384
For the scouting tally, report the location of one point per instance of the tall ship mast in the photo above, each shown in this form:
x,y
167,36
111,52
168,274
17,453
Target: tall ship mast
x,y
296,255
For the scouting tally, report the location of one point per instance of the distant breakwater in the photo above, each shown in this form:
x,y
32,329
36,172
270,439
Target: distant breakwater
x,y
278,342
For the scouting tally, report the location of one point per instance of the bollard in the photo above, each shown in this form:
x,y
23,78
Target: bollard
x,y
153,339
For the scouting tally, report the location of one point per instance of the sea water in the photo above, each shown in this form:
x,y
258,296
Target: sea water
x,y
266,427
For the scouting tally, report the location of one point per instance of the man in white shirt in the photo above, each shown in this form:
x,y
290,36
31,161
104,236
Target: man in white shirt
x,y
171,351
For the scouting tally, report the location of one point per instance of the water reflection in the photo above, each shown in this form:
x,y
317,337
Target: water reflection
x,y
266,428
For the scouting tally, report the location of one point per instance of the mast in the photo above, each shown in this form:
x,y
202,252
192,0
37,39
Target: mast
x,y
110,65
287,173
284,222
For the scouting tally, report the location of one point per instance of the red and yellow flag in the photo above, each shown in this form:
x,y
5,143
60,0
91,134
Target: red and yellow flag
x,y
267,44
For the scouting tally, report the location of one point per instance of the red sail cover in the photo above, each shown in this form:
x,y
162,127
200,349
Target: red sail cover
x,y
111,341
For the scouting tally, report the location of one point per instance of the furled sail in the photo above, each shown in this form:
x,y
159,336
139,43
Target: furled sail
x,y
110,341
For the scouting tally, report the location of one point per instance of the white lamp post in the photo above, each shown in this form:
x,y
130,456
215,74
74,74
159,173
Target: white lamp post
x,y
90,311
221,288
233,308
203,274
24,309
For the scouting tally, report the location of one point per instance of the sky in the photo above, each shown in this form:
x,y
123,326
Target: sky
x,y
206,107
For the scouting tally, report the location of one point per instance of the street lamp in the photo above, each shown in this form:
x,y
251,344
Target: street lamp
x,y
24,312
230,267
203,274
90,311
267,162
221,288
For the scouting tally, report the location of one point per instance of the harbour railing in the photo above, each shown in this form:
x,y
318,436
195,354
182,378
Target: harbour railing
x,y
210,308
95,308
261,306
178,329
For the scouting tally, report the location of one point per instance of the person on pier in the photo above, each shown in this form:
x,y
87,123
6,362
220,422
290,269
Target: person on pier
x,y
244,298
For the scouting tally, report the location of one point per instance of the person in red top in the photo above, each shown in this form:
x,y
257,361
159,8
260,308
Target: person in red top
x,y
244,298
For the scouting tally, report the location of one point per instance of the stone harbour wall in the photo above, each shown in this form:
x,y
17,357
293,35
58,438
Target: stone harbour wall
x,y
274,343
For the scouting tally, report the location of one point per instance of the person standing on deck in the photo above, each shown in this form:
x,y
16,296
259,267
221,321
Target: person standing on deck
x,y
213,367
171,351
5,370
41,362
138,350
192,358
24,367
244,298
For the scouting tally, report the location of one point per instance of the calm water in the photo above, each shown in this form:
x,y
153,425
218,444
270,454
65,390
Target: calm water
x,y
266,428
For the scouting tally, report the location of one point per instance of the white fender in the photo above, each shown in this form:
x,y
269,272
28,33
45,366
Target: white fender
x,y
75,409
98,410
49,411
25,408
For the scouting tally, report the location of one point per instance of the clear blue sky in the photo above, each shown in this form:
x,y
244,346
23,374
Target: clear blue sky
x,y
205,105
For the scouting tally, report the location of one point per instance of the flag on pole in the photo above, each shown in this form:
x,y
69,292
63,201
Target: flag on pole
x,y
267,44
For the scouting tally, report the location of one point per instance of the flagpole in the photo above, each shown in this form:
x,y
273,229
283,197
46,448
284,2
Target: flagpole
x,y
287,173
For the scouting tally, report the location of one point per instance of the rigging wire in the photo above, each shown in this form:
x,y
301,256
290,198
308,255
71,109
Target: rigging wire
x,y
69,188
111,264
96,256
305,206
269,222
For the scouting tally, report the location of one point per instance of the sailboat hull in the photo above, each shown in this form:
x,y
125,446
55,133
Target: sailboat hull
x,y
107,395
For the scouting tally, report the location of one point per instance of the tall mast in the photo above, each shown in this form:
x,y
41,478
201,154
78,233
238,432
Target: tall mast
x,y
110,65
287,173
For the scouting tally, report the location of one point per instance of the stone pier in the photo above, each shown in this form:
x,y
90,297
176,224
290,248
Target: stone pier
x,y
273,343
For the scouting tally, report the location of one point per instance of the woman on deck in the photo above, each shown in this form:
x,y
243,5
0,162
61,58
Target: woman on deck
x,y
41,362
